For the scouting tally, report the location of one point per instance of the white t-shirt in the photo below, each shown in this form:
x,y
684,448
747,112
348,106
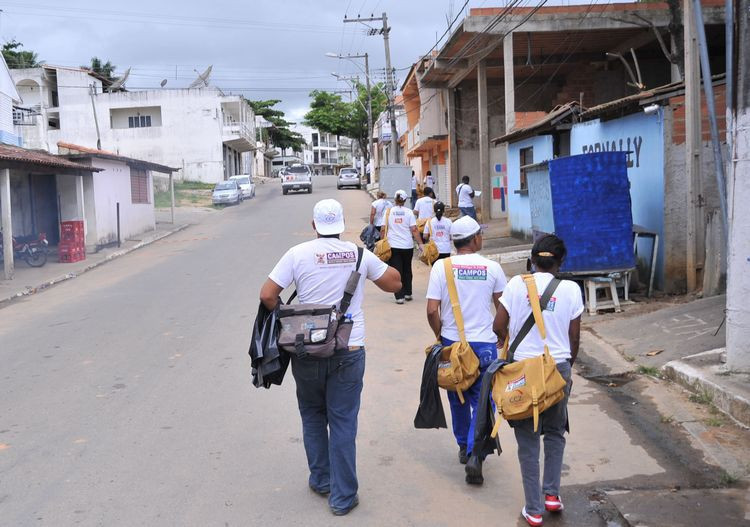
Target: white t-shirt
x,y
320,269
464,195
414,182
400,222
424,207
429,181
441,233
380,206
566,304
477,279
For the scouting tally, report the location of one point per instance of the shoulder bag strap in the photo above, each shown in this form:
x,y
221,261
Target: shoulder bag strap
x,y
529,323
387,215
453,294
351,284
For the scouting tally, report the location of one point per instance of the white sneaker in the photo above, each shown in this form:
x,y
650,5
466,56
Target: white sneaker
x,y
399,300
408,298
535,520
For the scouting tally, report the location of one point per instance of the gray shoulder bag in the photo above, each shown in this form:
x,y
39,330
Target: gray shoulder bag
x,y
318,330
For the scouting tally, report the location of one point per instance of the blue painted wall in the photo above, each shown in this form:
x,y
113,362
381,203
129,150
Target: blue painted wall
x,y
642,136
10,139
519,212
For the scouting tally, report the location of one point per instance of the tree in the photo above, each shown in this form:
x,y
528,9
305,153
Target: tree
x,y
16,58
330,114
103,69
279,133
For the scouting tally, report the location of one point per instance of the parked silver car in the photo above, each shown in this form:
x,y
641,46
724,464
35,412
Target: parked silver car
x,y
246,185
348,177
227,193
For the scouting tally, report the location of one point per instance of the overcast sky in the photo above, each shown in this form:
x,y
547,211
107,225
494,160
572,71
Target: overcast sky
x,y
262,49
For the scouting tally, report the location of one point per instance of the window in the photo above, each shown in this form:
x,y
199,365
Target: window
x,y
138,186
139,121
315,139
527,158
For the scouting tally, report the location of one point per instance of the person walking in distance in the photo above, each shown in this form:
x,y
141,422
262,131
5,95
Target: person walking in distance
x,y
429,181
328,390
413,189
480,283
377,211
466,198
424,208
562,321
439,230
402,234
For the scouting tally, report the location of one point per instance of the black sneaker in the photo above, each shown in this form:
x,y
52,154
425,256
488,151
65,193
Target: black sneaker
x,y
463,457
474,471
347,510
323,492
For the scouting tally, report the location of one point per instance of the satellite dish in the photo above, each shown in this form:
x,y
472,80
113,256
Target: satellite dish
x,y
202,80
118,83
163,83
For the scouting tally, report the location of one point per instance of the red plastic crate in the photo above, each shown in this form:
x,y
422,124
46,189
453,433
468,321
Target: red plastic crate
x,y
70,253
71,227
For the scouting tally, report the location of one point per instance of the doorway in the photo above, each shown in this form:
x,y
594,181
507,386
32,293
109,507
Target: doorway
x,y
45,212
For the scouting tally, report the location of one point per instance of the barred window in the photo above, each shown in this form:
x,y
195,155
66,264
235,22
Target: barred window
x,y
138,186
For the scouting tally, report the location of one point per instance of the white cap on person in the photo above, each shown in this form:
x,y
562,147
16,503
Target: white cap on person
x,y
464,227
328,216
401,194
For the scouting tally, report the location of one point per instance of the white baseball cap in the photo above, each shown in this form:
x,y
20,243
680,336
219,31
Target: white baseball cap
x,y
464,227
401,194
328,216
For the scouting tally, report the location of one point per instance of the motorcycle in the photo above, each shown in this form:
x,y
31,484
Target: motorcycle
x,y
32,249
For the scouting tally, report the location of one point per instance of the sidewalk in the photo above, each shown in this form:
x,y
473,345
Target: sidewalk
x,y
29,280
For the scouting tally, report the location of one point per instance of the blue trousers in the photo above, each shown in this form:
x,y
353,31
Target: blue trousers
x,y
464,416
469,211
328,395
413,197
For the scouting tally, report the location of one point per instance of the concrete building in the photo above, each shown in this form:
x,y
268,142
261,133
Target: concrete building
x,y
504,69
201,131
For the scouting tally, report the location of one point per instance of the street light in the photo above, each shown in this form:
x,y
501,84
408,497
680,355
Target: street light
x,y
370,142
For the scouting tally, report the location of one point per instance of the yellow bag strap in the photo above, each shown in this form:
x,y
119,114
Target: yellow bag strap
x,y
429,227
453,294
536,309
387,215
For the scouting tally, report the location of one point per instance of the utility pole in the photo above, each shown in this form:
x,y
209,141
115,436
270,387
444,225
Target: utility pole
x,y
389,80
370,141
695,222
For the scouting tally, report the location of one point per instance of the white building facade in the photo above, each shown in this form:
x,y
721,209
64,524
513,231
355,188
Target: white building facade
x,y
200,131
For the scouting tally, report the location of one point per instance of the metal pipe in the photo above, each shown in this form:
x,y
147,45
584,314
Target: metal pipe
x,y
708,88
118,225
729,46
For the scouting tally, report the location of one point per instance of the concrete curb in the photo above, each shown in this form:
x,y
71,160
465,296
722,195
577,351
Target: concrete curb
x,y
695,380
47,284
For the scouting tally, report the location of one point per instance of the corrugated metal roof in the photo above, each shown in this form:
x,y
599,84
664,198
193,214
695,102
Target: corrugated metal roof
x,y
36,158
546,123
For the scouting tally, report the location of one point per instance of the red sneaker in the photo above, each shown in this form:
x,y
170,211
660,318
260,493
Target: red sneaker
x,y
553,503
535,520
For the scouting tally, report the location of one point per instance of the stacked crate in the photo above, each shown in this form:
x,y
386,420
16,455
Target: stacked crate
x,y
72,246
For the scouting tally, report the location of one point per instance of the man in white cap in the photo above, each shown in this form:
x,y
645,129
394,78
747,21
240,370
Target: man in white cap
x,y
328,390
479,283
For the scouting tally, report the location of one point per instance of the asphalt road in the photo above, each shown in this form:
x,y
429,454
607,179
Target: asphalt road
x,y
125,399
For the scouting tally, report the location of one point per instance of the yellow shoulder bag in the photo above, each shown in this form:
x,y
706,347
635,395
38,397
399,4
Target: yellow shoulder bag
x,y
430,253
459,365
528,387
383,247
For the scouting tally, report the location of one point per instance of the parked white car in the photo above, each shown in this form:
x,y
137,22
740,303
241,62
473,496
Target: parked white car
x,y
226,192
348,177
246,184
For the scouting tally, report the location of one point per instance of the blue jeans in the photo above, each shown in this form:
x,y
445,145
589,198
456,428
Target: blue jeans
x,y
464,416
328,394
469,211
413,197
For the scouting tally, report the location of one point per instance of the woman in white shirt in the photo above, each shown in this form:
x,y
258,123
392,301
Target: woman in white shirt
x,y
377,211
562,320
439,229
402,233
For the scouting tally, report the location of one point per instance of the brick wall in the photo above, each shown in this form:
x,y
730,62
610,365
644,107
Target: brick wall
x,y
678,109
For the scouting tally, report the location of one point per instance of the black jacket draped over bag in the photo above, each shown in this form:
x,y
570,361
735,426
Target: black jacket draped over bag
x,y
269,364
430,412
